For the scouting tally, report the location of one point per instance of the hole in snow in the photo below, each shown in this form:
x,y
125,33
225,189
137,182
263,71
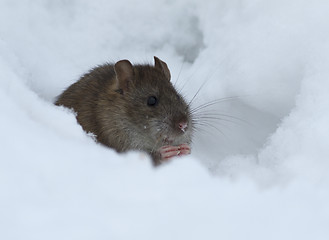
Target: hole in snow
x,y
242,130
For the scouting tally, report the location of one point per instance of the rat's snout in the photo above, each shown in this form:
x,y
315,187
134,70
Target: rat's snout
x,y
182,125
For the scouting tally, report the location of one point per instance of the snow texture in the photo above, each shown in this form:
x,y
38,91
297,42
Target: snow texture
x,y
258,172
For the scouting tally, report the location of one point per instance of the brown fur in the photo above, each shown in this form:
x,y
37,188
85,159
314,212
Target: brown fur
x,y
111,102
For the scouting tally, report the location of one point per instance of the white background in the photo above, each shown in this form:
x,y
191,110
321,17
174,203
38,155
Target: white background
x,y
259,173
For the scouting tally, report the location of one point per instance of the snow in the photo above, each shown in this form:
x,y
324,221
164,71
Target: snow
x,y
259,173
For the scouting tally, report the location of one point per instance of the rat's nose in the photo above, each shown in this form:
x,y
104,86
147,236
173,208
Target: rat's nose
x,y
182,125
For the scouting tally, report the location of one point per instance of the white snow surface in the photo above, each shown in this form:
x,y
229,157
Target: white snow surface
x,y
259,172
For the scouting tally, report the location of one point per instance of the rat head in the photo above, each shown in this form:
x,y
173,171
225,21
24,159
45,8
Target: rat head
x,y
155,113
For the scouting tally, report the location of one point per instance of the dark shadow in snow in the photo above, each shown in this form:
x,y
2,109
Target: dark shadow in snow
x,y
193,43
243,130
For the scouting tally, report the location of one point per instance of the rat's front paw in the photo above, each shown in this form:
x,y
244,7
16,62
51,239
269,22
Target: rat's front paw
x,y
168,152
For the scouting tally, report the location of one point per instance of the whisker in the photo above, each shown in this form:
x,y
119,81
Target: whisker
x,y
203,130
199,66
208,77
213,102
179,73
189,104
211,126
220,116
210,122
216,120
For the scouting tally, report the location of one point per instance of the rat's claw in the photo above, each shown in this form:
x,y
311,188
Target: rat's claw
x,y
184,149
168,152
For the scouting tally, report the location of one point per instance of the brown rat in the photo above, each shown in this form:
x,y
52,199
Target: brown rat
x,y
132,108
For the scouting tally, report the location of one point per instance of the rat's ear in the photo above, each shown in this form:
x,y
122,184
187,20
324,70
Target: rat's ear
x,y
124,74
162,66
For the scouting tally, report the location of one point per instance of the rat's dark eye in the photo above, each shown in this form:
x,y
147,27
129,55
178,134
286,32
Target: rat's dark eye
x,y
152,101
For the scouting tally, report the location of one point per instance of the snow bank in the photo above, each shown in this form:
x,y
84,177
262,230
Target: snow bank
x,y
259,172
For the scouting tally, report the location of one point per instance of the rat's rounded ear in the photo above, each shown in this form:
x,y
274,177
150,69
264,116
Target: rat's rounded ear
x,y
124,74
163,67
